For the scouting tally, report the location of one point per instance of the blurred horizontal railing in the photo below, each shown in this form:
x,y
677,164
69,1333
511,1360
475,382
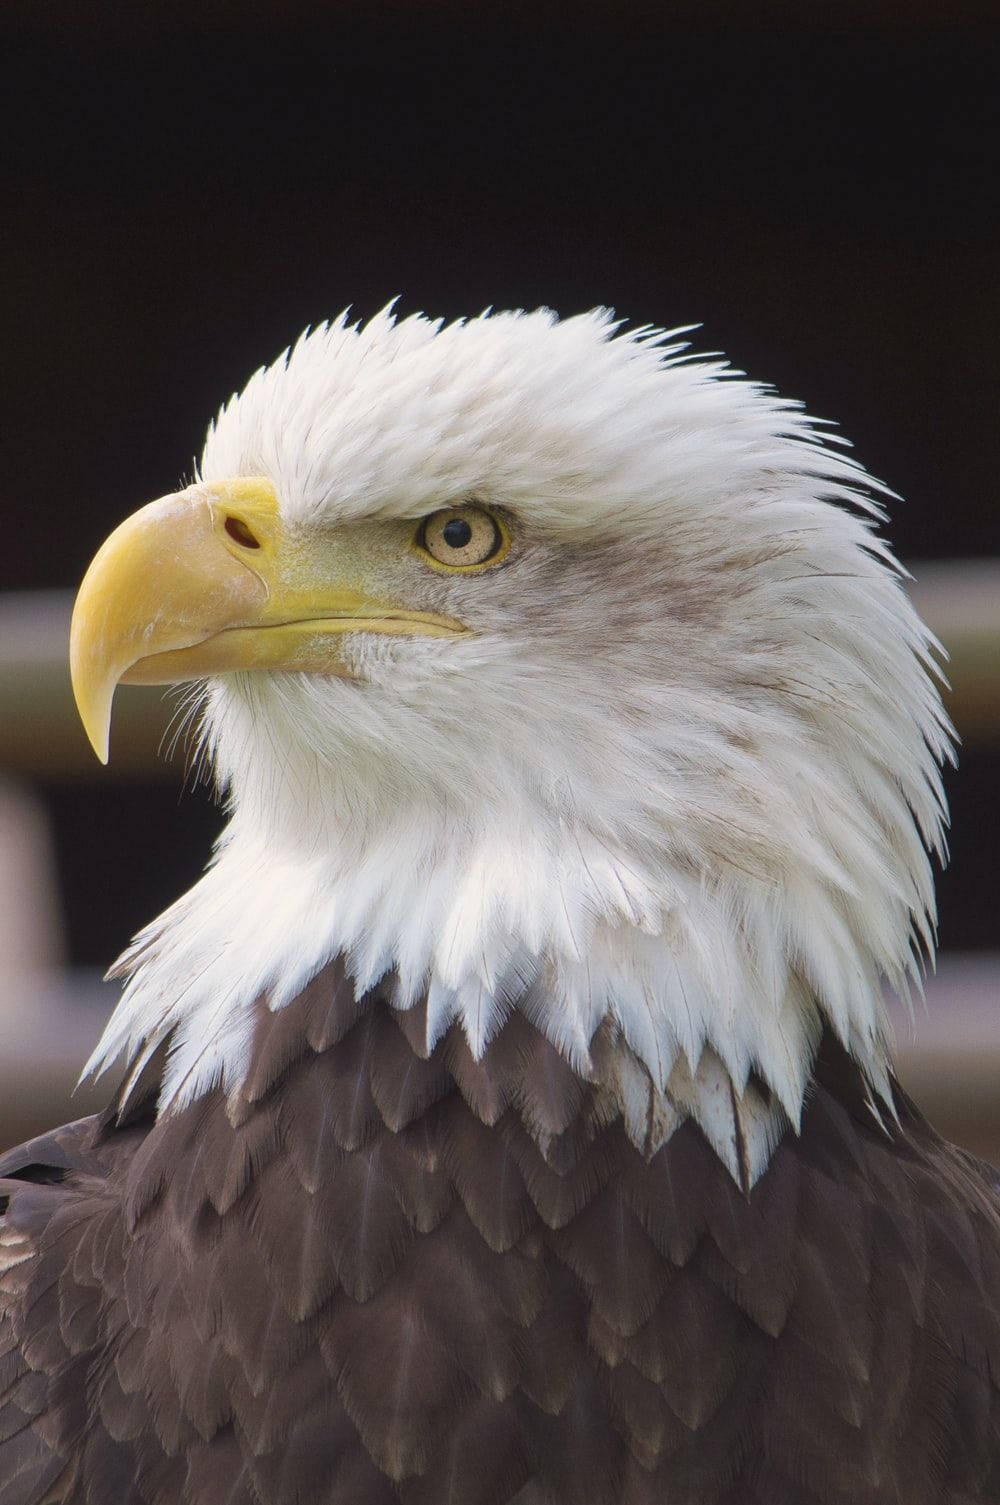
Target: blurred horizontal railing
x,y
40,733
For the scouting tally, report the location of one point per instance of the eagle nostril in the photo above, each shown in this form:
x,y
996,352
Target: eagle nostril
x,y
240,533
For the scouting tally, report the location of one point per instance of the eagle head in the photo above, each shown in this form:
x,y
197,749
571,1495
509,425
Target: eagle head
x,y
542,667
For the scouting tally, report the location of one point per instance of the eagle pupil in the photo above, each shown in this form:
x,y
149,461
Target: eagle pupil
x,y
456,533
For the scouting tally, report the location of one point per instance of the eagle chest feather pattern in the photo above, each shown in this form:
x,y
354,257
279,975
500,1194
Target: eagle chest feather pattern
x,y
372,1277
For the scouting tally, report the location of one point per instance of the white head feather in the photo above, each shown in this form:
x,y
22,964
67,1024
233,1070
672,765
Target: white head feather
x,y
683,775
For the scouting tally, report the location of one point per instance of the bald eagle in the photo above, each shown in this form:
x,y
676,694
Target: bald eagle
x,y
507,1116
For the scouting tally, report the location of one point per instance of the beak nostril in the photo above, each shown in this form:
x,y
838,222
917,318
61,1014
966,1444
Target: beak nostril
x,y
240,533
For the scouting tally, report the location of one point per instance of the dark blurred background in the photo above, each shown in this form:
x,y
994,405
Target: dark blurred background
x,y
185,191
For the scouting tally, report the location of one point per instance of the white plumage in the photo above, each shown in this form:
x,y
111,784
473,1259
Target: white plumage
x,y
682,772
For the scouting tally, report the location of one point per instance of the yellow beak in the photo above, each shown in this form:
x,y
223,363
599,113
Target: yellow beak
x,y
210,580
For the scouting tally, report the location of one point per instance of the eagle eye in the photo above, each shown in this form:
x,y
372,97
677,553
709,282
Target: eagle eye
x,y
462,539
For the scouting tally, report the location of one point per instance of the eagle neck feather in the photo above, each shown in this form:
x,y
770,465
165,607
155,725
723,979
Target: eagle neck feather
x,y
710,996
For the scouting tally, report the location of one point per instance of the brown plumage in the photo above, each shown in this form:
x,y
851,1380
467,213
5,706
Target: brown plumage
x,y
370,1277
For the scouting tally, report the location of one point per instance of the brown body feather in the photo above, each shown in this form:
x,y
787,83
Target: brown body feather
x,y
371,1278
